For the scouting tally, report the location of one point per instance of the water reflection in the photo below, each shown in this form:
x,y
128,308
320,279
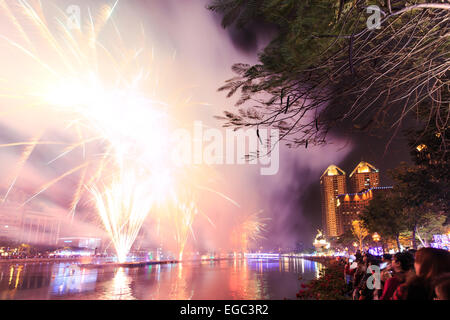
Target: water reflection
x,y
71,279
226,279
180,289
242,282
121,285
16,278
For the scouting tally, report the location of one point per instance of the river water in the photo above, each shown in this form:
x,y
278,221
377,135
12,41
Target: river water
x,y
206,280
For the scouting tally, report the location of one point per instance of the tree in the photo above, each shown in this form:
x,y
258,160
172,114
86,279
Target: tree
x,y
430,224
359,231
431,161
418,193
326,66
433,224
419,199
346,239
385,215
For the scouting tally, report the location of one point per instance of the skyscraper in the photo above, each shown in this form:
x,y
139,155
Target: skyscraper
x,y
364,176
332,183
351,205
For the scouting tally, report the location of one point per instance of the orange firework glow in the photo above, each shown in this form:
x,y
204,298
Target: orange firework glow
x,y
248,228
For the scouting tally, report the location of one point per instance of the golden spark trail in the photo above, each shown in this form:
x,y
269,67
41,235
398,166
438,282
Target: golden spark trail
x,y
183,216
31,143
51,183
248,228
23,159
123,207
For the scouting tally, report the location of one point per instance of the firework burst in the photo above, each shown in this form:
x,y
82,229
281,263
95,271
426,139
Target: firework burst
x,y
104,95
183,216
250,227
102,92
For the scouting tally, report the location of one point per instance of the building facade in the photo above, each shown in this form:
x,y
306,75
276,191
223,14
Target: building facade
x,y
40,228
80,242
339,206
349,206
332,183
27,224
365,176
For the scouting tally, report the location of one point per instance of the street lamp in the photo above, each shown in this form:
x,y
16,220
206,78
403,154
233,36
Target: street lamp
x,y
376,237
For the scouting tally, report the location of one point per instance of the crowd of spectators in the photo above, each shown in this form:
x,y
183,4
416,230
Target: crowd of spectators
x,y
409,275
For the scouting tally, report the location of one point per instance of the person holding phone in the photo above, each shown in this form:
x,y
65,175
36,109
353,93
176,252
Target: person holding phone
x,y
402,265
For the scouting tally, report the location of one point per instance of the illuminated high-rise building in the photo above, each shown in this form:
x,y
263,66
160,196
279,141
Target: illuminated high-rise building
x,y
365,176
332,183
351,205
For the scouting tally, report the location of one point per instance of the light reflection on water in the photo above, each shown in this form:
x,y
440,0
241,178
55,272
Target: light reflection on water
x,y
226,279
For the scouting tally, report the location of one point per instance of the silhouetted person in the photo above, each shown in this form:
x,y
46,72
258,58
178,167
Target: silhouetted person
x,y
430,263
442,287
402,264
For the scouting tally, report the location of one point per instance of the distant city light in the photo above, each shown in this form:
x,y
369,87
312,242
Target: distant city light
x,y
421,147
441,241
376,251
376,237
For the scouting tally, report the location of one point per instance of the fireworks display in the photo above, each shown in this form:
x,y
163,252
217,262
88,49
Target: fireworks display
x,y
104,92
183,216
248,228
123,207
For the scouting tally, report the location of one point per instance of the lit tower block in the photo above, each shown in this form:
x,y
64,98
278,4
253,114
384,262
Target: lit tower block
x,y
332,183
364,176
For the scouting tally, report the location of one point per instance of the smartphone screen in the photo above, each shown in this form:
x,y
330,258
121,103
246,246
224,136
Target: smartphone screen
x,y
383,265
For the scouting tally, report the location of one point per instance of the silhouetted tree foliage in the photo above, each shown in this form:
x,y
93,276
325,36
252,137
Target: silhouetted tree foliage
x,y
326,66
386,216
347,238
418,203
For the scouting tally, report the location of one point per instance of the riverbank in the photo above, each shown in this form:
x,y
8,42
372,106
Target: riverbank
x,y
321,259
330,285
39,260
